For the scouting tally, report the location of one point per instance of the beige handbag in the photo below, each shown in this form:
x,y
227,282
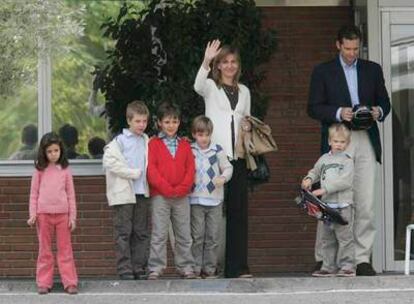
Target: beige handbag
x,y
261,139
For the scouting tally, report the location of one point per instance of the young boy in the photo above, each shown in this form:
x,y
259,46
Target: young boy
x,y
125,162
212,170
171,176
335,171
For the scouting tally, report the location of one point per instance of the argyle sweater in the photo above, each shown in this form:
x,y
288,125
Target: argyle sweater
x,y
210,163
170,176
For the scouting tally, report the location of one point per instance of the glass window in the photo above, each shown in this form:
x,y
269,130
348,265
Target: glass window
x,y
49,51
402,85
18,88
77,105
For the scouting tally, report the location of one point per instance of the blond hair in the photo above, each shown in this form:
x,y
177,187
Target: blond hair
x,y
339,129
202,124
136,107
216,73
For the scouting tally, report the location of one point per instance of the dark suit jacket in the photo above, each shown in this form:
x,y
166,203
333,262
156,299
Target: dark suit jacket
x,y
329,90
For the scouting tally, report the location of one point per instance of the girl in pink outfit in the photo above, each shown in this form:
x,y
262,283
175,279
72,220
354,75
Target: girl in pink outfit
x,y
53,209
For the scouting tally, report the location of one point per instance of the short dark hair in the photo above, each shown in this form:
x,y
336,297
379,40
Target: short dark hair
x,y
96,146
167,109
69,135
47,140
29,135
349,32
202,124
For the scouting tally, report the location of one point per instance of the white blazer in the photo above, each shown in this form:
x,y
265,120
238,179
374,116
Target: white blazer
x,y
218,109
119,187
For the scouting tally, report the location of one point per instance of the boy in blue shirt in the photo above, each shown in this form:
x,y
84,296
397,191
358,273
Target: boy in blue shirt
x,y
125,162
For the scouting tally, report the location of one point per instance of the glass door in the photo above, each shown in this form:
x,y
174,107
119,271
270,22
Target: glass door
x,y
398,62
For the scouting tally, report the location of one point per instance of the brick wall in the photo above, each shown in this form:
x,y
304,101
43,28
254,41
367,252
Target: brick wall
x,y
281,237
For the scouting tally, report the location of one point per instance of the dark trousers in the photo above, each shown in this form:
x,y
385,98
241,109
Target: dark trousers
x,y
236,226
132,236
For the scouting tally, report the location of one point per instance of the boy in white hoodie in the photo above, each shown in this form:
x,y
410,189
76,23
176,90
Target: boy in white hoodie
x,y
125,162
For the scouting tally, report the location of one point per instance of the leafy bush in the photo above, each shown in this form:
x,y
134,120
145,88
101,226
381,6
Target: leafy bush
x,y
159,52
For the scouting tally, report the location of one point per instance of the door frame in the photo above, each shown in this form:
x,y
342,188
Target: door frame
x,y
389,17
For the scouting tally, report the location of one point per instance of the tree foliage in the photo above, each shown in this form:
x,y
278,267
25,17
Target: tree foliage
x,y
159,50
30,28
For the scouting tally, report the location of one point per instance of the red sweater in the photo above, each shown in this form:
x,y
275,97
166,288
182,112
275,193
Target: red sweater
x,y
167,175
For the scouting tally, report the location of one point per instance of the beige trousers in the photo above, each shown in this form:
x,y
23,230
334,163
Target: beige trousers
x,y
176,210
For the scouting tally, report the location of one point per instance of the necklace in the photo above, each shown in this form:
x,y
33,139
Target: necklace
x,y
229,89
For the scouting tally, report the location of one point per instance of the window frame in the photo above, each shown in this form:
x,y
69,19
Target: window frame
x,y
22,168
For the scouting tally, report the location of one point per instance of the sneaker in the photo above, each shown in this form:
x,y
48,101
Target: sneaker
x,y
346,273
42,290
72,290
188,275
365,269
322,274
153,275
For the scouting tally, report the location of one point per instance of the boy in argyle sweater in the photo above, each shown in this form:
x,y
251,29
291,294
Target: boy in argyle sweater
x,y
212,170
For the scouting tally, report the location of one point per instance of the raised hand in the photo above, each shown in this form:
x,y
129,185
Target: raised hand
x,y
212,49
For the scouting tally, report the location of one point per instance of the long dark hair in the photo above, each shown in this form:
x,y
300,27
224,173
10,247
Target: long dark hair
x,y
47,140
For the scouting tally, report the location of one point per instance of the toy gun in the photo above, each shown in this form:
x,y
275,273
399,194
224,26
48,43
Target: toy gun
x,y
318,209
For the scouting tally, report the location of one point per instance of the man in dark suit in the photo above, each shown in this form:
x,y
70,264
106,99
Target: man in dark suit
x,y
336,87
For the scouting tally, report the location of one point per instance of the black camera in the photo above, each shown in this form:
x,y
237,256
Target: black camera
x,y
362,118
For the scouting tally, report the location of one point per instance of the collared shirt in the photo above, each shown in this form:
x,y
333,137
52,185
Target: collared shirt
x,y
170,142
133,149
351,76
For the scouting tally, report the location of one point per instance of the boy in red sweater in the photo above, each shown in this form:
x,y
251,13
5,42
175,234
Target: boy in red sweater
x,y
170,173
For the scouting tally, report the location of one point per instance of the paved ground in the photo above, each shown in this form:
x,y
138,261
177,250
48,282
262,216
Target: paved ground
x,y
395,289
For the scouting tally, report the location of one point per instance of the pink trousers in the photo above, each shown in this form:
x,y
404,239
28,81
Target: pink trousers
x,y
47,225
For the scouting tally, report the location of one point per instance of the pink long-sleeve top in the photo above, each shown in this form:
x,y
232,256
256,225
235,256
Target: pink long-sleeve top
x,y
52,191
